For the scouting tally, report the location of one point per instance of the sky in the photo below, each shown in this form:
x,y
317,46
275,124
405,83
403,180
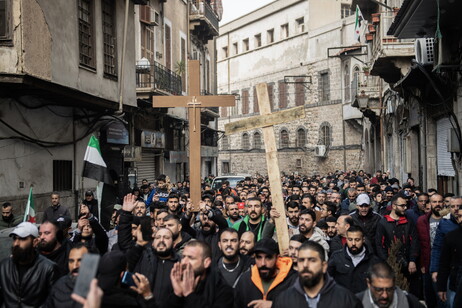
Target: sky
x,y
233,9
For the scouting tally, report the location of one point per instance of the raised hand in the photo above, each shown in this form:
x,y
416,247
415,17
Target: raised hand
x,y
129,203
142,285
175,278
189,282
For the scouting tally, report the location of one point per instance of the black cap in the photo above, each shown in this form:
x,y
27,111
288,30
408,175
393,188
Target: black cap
x,y
267,245
88,193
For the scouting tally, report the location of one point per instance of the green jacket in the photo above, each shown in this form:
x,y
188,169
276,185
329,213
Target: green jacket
x,y
243,226
13,223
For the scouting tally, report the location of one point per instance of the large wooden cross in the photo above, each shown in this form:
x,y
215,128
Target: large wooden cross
x,y
266,121
194,102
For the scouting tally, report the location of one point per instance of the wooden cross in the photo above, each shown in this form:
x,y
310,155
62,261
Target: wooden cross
x,y
266,121
192,102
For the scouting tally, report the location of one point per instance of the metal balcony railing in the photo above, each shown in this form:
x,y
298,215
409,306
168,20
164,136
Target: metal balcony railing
x,y
158,77
202,7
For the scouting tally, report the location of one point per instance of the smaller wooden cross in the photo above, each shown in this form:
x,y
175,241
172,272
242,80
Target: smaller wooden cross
x,y
194,102
266,121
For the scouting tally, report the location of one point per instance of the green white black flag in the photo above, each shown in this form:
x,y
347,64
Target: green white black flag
x,y
94,166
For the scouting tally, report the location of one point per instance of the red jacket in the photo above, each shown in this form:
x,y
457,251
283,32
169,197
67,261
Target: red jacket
x,y
423,230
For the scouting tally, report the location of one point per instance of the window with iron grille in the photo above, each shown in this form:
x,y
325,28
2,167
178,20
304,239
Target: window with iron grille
x,y
245,101
257,140
109,37
86,34
256,108
284,138
245,142
282,89
325,134
324,87
299,92
5,22
301,137
62,175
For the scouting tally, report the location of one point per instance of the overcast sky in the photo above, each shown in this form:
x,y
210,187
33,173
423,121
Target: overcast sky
x,y
233,9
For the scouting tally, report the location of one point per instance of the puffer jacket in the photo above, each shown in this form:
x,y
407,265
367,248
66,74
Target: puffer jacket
x,y
368,223
249,287
33,289
331,295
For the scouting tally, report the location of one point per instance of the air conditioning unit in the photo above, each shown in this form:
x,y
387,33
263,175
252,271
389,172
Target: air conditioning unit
x,y
155,17
425,50
320,151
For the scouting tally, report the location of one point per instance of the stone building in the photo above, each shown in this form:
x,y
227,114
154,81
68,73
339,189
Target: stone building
x,y
300,49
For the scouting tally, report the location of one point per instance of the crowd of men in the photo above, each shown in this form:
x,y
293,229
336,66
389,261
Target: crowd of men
x,y
355,240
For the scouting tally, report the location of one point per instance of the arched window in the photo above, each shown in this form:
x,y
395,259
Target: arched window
x,y
245,142
325,137
224,143
284,138
257,140
355,82
301,137
346,81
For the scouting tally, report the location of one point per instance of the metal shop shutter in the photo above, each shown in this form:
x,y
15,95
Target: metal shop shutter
x,y
147,166
443,157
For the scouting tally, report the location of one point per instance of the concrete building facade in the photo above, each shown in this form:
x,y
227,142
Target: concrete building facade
x,y
286,44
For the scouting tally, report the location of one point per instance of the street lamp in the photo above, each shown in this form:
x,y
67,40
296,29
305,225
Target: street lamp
x,y
143,65
363,100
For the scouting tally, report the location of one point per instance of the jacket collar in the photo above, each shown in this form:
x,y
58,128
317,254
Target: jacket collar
x,y
401,221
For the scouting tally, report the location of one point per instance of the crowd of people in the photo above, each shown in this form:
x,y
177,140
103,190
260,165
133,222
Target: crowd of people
x,y
355,240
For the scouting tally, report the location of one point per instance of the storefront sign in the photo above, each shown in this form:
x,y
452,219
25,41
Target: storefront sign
x,y
152,139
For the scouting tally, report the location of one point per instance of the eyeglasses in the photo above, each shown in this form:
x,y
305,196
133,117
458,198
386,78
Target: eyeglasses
x,y
402,205
381,290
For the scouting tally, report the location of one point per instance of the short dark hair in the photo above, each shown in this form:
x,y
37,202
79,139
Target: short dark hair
x,y
59,231
254,199
6,204
298,238
229,230
331,219
381,270
395,198
355,228
448,195
293,204
173,196
331,207
309,212
172,217
311,245
206,251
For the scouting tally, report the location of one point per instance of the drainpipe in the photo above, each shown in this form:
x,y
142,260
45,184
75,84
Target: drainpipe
x,y
124,49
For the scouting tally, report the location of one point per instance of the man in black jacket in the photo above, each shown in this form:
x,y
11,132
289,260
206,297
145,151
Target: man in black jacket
x,y
349,266
154,261
314,287
56,210
365,217
26,277
53,246
195,284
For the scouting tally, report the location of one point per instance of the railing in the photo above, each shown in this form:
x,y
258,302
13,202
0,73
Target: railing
x,y
158,77
202,7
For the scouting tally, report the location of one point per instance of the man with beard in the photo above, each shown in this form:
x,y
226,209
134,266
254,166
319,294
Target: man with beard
x,y
231,264
9,220
247,243
383,293
365,217
53,246
294,244
349,266
418,210
254,221
60,295
26,277
338,242
307,227
56,210
211,220
395,228
180,238
271,274
426,229
314,287
349,204
173,204
195,283
232,210
331,229
140,209
154,261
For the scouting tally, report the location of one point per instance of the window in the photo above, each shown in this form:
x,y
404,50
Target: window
x,y
109,37
5,21
300,22
346,10
257,141
245,142
346,83
62,175
235,50
298,163
284,138
245,101
299,92
301,138
282,89
245,44
183,61
284,31
325,134
147,42
168,46
257,40
271,95
224,143
270,36
355,82
86,37
225,52
225,167
256,108
324,87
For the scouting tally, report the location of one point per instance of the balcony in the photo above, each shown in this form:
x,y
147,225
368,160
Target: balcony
x,y
203,21
389,55
156,78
